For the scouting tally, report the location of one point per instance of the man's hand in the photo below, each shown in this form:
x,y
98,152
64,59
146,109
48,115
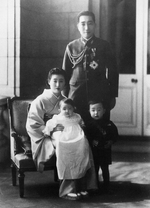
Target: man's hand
x,y
108,144
112,103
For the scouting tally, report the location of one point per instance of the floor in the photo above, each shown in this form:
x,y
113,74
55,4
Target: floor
x,y
130,186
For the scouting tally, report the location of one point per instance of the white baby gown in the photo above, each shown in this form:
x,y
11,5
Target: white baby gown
x,y
72,147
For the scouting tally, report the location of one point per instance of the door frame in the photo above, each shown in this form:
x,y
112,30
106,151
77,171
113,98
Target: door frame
x,y
146,77
134,123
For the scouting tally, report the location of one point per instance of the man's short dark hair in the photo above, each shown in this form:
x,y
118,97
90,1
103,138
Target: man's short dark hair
x,y
86,13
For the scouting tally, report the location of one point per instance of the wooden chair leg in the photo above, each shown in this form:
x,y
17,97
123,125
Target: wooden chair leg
x,y
21,183
13,172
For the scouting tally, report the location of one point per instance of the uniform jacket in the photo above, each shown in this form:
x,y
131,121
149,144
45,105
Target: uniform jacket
x,y
92,63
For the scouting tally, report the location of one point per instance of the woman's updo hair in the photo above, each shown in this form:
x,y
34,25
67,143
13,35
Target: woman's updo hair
x,y
57,71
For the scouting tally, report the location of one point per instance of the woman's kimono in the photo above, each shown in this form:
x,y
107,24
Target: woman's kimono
x,y
45,105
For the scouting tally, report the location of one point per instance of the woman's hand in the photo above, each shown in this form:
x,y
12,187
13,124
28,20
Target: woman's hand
x,y
59,127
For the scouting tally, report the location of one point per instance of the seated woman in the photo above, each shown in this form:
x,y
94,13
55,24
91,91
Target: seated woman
x,y
44,106
74,158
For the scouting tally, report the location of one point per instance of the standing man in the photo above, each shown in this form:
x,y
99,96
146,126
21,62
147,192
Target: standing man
x,y
90,67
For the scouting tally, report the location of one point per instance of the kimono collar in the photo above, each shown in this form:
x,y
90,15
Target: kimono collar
x,y
57,97
49,94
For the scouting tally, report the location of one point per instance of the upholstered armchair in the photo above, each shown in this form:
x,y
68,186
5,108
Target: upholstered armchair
x,y
20,145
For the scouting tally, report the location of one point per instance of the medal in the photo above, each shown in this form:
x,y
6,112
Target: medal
x,y
94,65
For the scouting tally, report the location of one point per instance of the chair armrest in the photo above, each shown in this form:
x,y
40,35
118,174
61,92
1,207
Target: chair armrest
x,y
22,144
15,146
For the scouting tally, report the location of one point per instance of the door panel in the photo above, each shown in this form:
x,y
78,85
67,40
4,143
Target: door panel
x,y
125,24
128,113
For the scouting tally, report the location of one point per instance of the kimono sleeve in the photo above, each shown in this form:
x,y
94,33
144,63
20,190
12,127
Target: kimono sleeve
x,y
50,125
35,120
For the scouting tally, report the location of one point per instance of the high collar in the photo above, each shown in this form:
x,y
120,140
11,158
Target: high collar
x,y
100,122
87,41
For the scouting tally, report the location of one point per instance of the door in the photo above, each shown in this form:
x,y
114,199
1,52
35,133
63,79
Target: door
x,y
132,111
146,108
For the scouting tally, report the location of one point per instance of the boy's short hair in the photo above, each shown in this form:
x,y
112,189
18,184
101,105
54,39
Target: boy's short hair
x,y
57,71
95,101
86,13
67,101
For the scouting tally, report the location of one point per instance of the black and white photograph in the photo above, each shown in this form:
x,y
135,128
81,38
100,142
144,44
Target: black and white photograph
x,y
74,103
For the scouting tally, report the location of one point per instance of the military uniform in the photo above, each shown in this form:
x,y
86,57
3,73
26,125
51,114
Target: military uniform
x,y
92,72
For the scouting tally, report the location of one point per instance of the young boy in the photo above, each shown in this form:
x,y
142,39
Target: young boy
x,y
101,135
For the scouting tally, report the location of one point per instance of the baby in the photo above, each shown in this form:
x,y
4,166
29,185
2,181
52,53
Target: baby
x,y
73,153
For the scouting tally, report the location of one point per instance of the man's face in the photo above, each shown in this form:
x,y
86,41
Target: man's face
x,y
86,26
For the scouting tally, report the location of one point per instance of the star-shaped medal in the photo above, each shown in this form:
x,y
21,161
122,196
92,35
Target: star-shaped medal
x,y
94,65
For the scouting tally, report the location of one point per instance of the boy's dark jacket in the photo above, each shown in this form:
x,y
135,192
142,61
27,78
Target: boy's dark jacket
x,y
101,131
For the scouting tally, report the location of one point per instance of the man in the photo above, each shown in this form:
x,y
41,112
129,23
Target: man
x,y
91,68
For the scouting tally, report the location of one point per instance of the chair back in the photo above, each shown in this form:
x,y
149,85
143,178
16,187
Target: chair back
x,y
18,110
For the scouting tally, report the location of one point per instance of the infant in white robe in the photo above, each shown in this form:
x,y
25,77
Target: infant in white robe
x,y
72,148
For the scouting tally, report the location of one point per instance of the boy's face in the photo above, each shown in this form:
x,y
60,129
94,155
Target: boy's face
x,y
86,26
57,83
66,110
97,111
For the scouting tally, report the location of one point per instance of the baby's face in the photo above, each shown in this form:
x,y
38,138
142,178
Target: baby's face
x,y
97,111
66,110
